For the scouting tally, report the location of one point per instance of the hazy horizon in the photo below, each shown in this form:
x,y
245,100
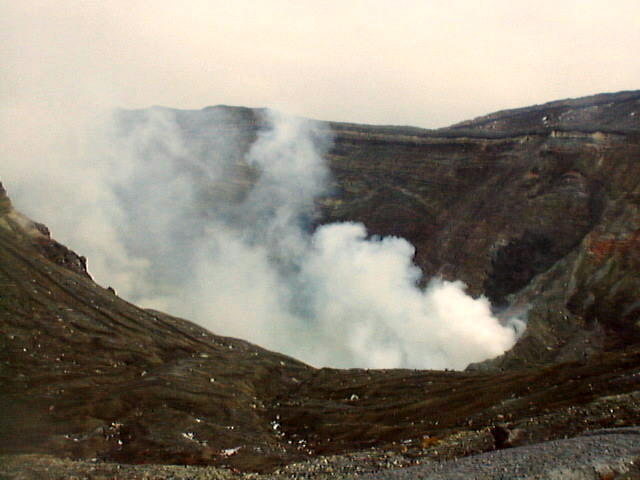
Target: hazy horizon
x,y
421,63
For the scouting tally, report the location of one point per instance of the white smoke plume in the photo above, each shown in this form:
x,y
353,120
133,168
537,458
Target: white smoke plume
x,y
204,226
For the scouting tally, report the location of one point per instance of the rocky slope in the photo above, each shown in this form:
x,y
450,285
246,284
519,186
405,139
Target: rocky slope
x,y
537,208
536,215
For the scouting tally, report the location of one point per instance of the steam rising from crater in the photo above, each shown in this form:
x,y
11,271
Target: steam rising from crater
x,y
215,227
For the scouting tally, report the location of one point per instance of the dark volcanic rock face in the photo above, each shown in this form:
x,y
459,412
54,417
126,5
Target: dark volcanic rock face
x,y
537,214
496,213
524,206
536,208
84,374
493,213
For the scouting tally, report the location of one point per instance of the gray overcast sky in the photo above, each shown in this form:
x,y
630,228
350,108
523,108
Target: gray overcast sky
x,y
419,62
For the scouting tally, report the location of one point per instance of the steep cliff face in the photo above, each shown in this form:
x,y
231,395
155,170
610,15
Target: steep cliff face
x,y
543,218
536,208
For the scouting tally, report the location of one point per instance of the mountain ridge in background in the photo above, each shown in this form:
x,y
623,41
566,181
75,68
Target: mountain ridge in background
x,y
537,208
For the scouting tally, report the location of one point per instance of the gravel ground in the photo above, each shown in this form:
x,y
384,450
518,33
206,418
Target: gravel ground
x,y
612,454
604,454
43,467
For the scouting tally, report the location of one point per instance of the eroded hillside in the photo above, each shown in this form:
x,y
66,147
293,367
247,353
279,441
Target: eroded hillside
x,y
544,218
